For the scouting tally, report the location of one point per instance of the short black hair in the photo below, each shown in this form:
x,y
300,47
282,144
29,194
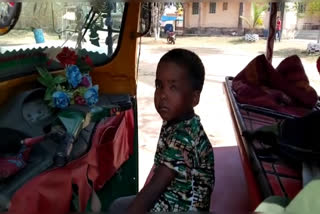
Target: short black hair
x,y
191,62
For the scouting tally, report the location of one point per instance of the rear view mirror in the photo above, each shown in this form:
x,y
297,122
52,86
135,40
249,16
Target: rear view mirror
x,y
9,15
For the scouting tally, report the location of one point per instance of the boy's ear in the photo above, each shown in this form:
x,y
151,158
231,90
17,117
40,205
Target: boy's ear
x,y
195,98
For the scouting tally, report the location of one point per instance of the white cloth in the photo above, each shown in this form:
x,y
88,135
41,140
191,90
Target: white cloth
x,y
309,171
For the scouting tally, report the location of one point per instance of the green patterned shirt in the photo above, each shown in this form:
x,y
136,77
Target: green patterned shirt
x,y
185,148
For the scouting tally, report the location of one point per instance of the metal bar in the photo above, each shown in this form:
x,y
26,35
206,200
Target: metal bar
x,y
109,41
240,14
266,111
236,109
272,31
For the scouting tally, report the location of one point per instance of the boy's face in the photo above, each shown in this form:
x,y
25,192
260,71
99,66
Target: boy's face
x,y
174,95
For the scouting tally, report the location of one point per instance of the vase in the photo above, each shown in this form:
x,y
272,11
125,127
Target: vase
x,y
38,35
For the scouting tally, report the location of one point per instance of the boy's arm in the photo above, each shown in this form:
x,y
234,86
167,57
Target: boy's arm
x,y
147,197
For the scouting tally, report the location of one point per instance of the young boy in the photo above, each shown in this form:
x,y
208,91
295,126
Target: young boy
x,y
184,165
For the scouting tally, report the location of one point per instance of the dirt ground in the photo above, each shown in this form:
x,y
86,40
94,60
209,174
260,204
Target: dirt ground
x,y
221,57
236,45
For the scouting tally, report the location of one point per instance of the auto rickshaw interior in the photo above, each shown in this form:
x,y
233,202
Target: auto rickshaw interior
x,y
38,140
69,149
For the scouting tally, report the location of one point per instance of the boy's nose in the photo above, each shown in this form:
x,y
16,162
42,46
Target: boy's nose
x,y
163,94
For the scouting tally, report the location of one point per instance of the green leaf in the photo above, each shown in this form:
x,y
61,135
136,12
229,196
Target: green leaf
x,y
70,94
59,88
44,82
81,90
59,79
44,73
247,21
257,9
45,77
51,104
48,93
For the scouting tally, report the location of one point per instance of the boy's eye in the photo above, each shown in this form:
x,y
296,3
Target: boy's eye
x,y
173,87
157,84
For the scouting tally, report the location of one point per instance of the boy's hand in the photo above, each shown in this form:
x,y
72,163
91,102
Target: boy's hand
x,y
150,193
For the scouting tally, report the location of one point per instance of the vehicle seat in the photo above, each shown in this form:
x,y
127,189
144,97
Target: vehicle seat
x,y
230,194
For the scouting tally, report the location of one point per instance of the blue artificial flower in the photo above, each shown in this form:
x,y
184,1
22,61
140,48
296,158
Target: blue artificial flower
x,y
74,75
60,99
91,95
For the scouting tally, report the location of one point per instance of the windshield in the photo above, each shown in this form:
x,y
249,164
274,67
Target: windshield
x,y
43,28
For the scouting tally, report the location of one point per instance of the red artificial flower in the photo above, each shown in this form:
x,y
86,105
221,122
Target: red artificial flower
x,y
318,64
88,60
67,57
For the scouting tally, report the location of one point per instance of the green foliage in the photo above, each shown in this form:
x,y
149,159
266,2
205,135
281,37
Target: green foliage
x,y
257,12
51,82
296,7
48,80
45,78
247,21
309,7
48,94
73,84
256,19
259,22
313,7
80,91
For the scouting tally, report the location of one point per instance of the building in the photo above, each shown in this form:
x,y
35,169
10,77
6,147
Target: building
x,y
296,23
216,17
222,17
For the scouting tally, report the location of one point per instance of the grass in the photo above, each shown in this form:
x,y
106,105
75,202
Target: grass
x,y
239,41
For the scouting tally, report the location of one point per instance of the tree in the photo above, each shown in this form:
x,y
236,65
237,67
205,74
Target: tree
x,y
157,10
313,8
256,19
308,7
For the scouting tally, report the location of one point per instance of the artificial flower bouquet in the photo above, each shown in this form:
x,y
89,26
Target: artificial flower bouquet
x,y
75,86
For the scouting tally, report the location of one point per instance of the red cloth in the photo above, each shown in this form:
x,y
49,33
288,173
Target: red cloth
x,y
278,27
51,191
294,82
10,166
318,64
285,89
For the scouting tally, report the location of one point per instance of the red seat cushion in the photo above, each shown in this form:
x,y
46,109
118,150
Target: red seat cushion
x,y
294,81
285,89
230,193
